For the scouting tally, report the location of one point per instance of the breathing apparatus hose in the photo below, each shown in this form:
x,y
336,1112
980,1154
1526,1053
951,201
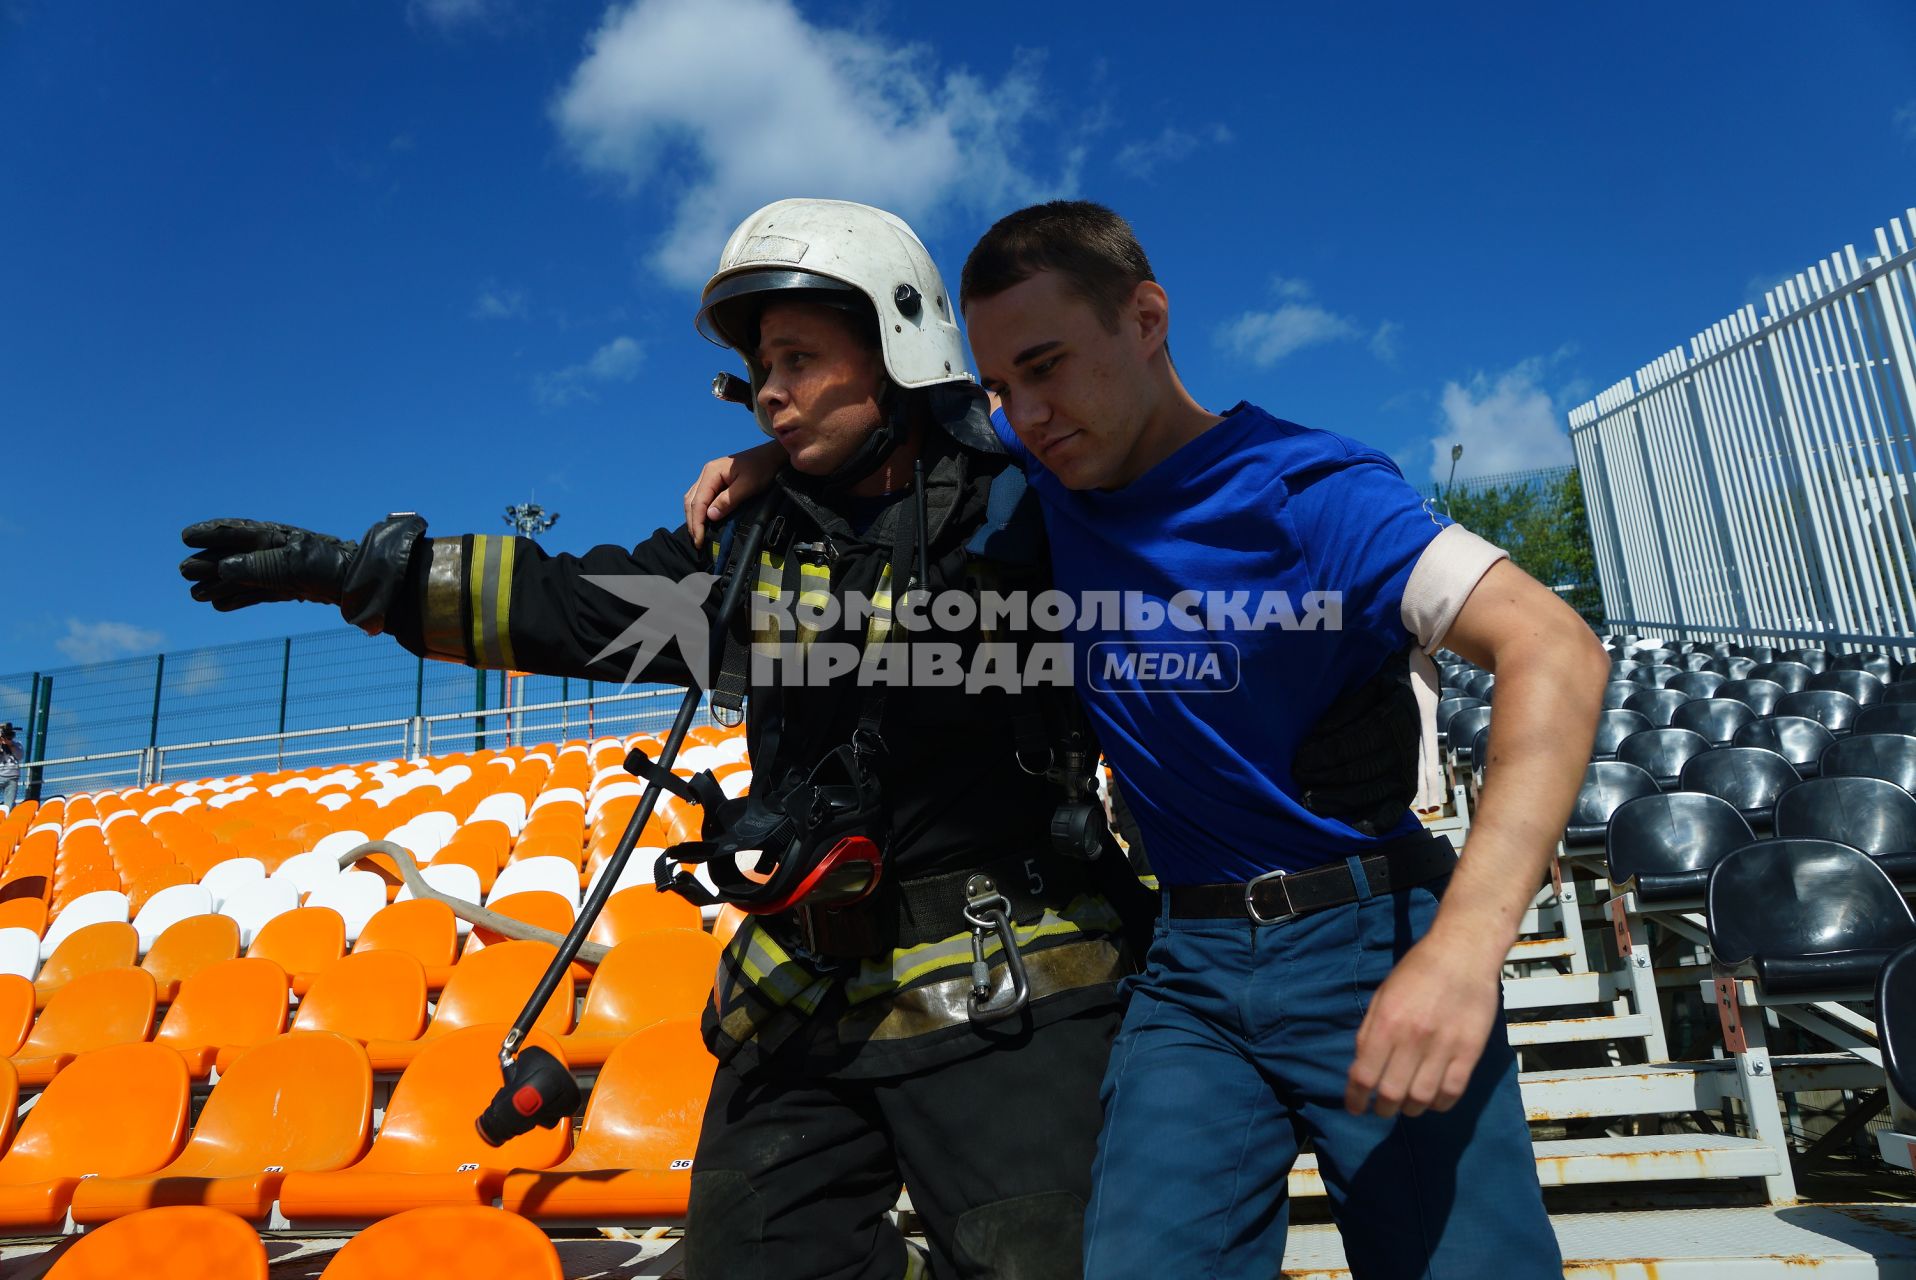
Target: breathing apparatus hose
x,y
538,1089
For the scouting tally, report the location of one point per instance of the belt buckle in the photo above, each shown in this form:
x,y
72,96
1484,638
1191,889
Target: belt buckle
x,y
1250,899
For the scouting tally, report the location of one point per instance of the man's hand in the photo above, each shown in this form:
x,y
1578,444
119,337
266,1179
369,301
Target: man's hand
x,y
248,562
725,483
1426,1028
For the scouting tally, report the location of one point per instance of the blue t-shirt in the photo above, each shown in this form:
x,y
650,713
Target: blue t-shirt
x,y
1200,722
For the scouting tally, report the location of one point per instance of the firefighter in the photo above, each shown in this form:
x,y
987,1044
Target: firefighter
x,y
947,1027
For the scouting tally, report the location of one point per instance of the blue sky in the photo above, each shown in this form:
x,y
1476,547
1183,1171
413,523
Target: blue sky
x,y
315,262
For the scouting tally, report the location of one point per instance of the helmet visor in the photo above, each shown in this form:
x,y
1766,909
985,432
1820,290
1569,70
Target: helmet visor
x,y
728,313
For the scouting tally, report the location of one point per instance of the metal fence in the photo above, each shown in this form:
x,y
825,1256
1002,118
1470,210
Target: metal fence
x,y
1534,478
327,697
1759,484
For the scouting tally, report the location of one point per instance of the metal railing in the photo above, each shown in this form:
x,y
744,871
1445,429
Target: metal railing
x,y
620,714
1763,484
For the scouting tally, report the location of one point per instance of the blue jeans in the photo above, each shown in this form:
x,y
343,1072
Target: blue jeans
x,y
7,787
1234,1047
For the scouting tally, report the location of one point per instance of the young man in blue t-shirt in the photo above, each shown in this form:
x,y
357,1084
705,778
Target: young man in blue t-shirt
x,y
1303,979
1338,1000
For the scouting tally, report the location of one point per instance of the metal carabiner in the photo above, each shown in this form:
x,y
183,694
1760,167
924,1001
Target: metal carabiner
x,y
988,911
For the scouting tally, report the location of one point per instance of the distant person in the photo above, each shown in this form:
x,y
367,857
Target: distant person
x,y
11,753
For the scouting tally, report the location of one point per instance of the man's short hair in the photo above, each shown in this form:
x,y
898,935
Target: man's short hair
x,y
1092,248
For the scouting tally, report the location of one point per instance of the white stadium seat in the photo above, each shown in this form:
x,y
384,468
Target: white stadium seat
x,y
227,878
19,952
554,873
308,871
167,908
356,895
251,905
88,908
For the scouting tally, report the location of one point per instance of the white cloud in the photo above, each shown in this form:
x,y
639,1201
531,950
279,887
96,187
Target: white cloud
x,y
1141,158
104,641
726,105
450,14
1383,343
616,361
494,303
1508,422
1265,337
1906,119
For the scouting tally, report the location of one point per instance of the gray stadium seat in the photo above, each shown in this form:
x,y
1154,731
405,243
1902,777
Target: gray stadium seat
x,y
1759,695
1798,739
1663,846
1607,784
1748,777
1807,919
1662,753
1717,719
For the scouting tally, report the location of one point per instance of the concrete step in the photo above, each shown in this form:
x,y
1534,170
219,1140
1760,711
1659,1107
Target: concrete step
x,y
1583,1161
1840,1242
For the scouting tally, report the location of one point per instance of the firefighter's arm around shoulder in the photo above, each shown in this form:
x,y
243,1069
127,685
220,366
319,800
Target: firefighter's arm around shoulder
x,y
501,602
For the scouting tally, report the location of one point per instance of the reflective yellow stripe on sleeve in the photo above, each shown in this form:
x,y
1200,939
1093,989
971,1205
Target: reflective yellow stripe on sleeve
x,y
489,597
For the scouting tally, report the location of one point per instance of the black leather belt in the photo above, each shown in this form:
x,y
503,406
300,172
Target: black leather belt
x,y
1400,864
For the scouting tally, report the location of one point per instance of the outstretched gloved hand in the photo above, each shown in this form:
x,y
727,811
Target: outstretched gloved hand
x,y
248,562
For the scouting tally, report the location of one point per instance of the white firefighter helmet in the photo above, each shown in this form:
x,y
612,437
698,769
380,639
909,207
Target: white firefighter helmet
x,y
837,253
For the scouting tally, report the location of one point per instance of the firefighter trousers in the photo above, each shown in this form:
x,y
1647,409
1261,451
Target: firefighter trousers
x,y
795,1177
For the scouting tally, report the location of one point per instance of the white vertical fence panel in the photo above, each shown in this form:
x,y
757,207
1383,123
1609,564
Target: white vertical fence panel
x,y
1761,484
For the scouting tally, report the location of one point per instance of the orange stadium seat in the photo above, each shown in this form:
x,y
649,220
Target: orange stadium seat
x,y
633,1161
667,973
425,930
641,909
234,1002
29,883
150,881
178,1243
107,945
24,913
449,1242
114,1113
17,1004
428,1151
302,942
480,857
187,947
248,1138
370,995
9,1102
541,907
726,925
491,986
94,1011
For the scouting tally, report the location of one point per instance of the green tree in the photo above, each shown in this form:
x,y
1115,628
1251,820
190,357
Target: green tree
x,y
1544,526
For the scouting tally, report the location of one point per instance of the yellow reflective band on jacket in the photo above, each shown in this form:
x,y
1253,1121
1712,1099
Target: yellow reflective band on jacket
x,y
908,966
814,597
878,627
769,585
489,600
761,985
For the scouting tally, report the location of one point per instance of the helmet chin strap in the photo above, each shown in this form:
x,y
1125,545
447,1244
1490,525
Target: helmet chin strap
x,y
872,451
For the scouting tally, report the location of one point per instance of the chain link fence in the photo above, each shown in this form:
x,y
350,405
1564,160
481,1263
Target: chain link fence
x,y
322,698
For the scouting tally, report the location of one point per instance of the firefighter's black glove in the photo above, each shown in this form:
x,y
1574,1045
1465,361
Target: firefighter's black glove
x,y
248,562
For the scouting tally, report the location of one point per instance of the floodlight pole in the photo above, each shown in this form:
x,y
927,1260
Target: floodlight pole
x,y
529,519
1456,452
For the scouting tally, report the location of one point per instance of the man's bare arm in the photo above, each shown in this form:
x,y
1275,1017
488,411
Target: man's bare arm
x,y
1429,1022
